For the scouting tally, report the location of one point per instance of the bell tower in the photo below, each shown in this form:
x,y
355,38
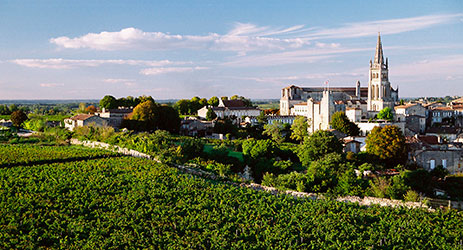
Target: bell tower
x,y
379,88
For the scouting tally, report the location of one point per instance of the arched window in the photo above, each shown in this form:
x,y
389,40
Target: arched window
x,y
377,92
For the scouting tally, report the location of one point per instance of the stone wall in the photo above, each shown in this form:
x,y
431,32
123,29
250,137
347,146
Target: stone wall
x,y
365,201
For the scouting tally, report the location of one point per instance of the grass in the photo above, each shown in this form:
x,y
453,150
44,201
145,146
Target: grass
x,y
272,105
208,149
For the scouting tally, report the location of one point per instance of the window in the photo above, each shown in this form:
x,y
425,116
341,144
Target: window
x,y
444,163
432,164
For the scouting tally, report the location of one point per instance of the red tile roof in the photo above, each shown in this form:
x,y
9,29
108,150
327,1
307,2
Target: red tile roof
x,y
81,117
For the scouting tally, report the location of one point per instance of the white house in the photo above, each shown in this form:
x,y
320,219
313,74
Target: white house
x,y
84,120
231,108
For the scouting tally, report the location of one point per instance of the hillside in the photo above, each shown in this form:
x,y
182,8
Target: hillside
x,y
110,201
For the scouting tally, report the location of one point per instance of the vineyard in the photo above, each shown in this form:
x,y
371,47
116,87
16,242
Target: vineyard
x,y
108,202
24,154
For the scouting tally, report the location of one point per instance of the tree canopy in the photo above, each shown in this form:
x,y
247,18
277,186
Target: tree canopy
x,y
386,114
299,128
213,101
340,122
210,114
275,131
108,102
388,144
18,117
317,145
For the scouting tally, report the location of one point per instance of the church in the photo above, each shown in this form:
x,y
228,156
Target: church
x,y
360,103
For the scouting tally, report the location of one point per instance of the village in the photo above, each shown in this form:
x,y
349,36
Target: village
x,y
433,130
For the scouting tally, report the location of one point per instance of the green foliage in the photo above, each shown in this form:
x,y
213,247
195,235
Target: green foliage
x,y
340,122
225,126
317,145
192,148
299,128
350,184
151,115
213,101
261,119
275,131
324,171
36,124
108,102
412,196
439,172
128,203
293,181
210,114
387,144
18,117
386,114
255,149
394,187
4,110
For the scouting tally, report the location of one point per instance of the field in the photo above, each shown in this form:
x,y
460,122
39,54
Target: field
x,y
111,201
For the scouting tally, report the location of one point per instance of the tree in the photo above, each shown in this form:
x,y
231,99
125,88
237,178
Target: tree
x,y
183,106
214,101
108,102
81,107
299,128
18,117
90,109
146,112
4,110
210,114
167,119
386,114
13,108
387,144
261,119
224,98
195,105
324,172
317,145
203,102
275,131
340,122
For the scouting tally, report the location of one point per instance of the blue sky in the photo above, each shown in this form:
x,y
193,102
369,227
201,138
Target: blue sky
x,y
179,49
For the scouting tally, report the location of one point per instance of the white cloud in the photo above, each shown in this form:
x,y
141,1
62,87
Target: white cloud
x,y
59,63
126,82
245,37
390,26
159,71
51,85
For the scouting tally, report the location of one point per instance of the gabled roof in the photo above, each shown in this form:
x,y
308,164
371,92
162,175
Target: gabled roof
x,y
233,103
408,105
81,117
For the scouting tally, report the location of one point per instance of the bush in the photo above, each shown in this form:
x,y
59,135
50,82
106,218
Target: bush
x,y
412,196
191,148
317,146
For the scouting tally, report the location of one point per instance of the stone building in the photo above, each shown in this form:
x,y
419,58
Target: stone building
x,y
84,120
236,109
428,152
319,103
114,117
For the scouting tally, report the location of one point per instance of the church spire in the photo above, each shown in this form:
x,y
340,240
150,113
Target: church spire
x,y
379,51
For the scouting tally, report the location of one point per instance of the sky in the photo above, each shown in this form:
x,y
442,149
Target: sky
x,y
180,49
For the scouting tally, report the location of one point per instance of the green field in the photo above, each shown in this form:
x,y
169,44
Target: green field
x,y
125,203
